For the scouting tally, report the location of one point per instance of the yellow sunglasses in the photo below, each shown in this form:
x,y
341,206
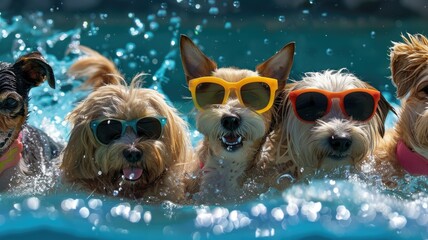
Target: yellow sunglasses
x,y
257,93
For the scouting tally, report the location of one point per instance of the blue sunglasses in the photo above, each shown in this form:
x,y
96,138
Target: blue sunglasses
x,y
108,130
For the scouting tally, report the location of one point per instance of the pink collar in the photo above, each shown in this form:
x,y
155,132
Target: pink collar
x,y
12,156
411,161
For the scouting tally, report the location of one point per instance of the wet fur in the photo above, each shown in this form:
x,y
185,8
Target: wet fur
x,y
409,72
35,172
296,149
224,172
98,168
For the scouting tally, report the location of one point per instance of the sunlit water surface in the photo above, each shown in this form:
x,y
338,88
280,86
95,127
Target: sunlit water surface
x,y
321,207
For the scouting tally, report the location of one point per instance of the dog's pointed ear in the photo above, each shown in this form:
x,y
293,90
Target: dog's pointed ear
x,y
279,65
407,60
195,63
34,69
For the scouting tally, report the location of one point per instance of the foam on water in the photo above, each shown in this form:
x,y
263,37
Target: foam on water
x,y
330,206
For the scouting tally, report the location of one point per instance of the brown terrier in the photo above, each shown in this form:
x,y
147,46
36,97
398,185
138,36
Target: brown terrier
x,y
125,141
406,145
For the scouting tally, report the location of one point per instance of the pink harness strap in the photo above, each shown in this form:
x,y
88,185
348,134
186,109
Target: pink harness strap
x,y
411,161
12,156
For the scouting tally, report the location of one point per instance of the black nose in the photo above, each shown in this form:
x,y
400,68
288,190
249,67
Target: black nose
x,y
340,144
230,122
132,155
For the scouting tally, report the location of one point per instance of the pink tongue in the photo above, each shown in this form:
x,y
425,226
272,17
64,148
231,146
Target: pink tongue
x,y
132,173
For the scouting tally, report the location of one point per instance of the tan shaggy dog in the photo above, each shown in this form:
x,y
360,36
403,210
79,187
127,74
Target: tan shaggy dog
x,y
322,138
233,132
406,145
135,160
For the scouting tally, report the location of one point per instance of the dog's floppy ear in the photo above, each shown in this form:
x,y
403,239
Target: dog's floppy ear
x,y
34,69
408,60
195,63
279,65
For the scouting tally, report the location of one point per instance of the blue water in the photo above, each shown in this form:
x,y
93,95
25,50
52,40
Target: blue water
x,y
322,207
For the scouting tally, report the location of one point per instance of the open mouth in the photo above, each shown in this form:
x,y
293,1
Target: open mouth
x,y
132,173
231,142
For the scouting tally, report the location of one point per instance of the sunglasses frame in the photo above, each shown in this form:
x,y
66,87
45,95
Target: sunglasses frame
x,y
125,124
236,86
293,95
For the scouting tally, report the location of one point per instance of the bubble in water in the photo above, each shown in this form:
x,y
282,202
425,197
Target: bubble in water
x,y
130,47
281,18
311,2
373,34
100,173
131,15
161,13
329,52
120,52
236,4
103,16
115,193
228,25
324,14
266,41
148,35
221,59
213,11
154,25
305,11
164,5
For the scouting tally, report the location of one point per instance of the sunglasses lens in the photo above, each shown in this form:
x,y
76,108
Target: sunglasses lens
x,y
359,105
149,128
255,95
209,93
108,130
311,106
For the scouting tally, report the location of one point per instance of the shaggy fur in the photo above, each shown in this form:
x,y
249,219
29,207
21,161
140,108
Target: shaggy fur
x,y
295,148
224,171
34,171
99,168
409,71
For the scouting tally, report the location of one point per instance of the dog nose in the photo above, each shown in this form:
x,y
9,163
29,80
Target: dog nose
x,y
340,144
132,155
230,122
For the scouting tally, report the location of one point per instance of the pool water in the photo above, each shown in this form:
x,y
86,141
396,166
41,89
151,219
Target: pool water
x,y
339,204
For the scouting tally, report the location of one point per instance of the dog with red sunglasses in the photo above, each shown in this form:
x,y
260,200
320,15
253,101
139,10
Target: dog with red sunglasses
x,y
328,119
125,141
235,113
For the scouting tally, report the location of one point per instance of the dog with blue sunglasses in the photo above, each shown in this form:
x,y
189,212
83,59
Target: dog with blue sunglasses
x,y
125,141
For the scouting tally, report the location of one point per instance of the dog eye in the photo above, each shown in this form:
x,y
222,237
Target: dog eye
x,y
425,90
10,103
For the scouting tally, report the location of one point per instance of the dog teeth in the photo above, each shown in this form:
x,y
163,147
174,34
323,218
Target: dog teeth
x,y
238,141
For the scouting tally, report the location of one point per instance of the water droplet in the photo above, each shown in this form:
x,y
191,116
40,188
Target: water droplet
x,y
161,13
266,41
213,11
311,2
115,193
131,15
329,52
236,4
221,59
372,34
281,18
100,173
324,14
228,25
249,53
164,5
198,6
305,11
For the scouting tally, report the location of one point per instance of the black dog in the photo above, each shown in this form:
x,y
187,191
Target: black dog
x,y
26,153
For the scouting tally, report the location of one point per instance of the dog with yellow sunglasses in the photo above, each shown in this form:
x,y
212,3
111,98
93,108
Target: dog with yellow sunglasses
x,y
125,141
234,115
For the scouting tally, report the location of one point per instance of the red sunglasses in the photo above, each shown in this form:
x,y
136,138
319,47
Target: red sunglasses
x,y
359,104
